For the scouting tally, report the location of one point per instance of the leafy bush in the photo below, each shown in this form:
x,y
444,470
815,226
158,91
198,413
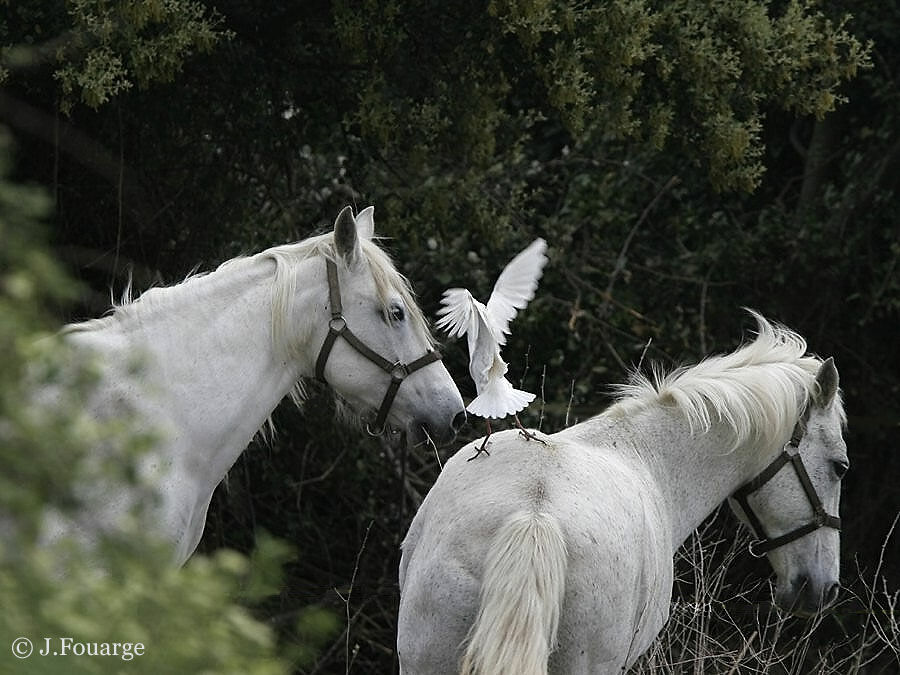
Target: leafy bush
x,y
120,587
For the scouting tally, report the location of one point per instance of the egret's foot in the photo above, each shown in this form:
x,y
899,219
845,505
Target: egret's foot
x,y
528,436
479,450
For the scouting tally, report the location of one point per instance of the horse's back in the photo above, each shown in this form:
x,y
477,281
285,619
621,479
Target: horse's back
x,y
618,547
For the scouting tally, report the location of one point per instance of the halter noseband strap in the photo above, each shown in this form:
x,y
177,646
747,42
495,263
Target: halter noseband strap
x,y
337,327
821,518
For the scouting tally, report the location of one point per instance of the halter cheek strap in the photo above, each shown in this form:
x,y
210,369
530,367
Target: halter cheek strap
x,y
821,518
337,327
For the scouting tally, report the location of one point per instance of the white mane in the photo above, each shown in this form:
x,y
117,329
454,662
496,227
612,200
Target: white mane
x,y
760,390
287,259
287,332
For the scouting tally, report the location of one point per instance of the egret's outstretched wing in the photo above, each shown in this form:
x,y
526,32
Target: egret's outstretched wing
x,y
458,312
516,286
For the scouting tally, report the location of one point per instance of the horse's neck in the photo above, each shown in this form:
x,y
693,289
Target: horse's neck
x,y
695,472
211,353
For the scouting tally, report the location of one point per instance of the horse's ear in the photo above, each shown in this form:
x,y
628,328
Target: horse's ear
x,y
827,381
365,222
346,240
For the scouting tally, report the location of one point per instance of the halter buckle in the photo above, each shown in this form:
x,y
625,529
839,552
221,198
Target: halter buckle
x,y
399,370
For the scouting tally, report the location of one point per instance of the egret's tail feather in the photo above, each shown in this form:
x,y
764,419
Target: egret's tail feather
x,y
521,598
499,399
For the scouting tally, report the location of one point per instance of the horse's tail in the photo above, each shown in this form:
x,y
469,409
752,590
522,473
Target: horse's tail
x,y
521,598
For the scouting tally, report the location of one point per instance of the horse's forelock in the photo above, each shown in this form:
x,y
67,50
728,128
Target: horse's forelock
x,y
388,280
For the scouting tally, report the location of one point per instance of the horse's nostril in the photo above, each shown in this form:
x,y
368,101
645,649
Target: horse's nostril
x,y
458,421
832,594
799,582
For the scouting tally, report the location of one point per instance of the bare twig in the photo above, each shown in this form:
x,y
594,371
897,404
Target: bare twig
x,y
622,258
643,354
397,463
703,293
346,600
543,399
569,405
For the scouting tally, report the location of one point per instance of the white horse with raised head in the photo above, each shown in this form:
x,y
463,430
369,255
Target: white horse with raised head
x,y
201,365
557,557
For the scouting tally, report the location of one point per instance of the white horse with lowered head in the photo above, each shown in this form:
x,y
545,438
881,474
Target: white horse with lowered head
x,y
557,557
201,366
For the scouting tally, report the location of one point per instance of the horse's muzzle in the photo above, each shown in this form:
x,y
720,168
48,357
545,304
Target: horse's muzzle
x,y
804,598
421,432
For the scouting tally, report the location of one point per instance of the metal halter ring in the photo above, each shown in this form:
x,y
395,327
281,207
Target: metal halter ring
x,y
376,433
399,371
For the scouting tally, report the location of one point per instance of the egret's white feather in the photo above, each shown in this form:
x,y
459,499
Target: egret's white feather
x,y
499,395
516,285
458,312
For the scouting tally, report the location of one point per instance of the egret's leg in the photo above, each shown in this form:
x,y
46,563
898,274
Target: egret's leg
x,y
483,447
527,434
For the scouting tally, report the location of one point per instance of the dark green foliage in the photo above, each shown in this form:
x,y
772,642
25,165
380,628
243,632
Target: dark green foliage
x,y
101,48
123,588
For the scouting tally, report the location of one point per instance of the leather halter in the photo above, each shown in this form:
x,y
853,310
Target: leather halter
x,y
789,455
337,327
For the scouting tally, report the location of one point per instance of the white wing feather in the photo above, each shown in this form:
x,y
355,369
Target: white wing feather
x,y
515,287
458,312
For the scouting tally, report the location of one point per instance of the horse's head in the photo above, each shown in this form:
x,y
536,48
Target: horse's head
x,y
377,353
796,499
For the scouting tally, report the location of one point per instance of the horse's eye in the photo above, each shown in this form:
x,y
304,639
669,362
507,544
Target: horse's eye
x,y
397,313
840,468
